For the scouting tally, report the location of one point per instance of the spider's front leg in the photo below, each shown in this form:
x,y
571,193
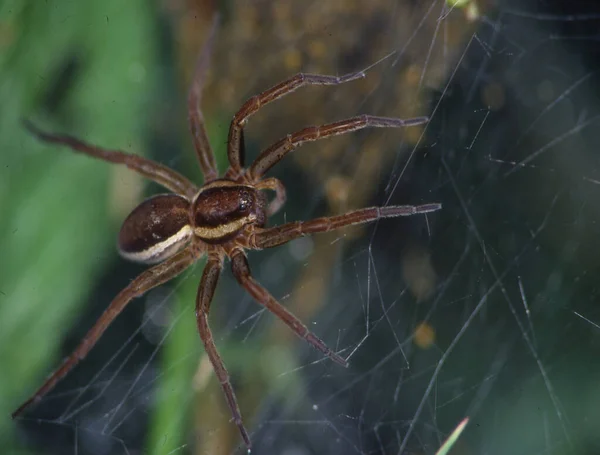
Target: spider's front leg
x,y
278,235
204,153
250,107
276,152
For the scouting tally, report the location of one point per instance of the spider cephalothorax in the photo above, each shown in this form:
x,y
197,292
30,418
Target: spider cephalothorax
x,y
222,219
223,207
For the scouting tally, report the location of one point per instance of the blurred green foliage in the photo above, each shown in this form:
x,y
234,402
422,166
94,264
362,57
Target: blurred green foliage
x,y
179,360
85,68
90,69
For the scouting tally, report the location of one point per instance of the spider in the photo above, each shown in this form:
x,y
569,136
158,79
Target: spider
x,y
221,219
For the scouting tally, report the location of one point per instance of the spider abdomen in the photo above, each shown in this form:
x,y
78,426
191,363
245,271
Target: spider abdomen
x,y
156,229
223,207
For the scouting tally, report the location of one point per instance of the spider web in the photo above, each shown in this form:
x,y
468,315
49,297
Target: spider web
x,y
485,309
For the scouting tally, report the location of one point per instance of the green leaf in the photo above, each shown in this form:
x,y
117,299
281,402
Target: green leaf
x,y
82,67
449,443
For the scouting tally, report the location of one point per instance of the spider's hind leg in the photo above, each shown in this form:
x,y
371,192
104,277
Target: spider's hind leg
x,y
155,276
152,170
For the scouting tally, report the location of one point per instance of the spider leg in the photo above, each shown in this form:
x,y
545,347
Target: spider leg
x,y
150,169
206,290
241,271
149,279
273,184
206,157
272,155
256,102
278,235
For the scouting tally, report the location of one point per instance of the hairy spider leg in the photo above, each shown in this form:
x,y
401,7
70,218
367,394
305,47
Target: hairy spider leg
x,y
275,153
152,170
147,280
241,271
256,102
204,153
206,290
278,235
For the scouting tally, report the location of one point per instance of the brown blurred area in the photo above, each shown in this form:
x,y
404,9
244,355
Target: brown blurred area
x,y
262,42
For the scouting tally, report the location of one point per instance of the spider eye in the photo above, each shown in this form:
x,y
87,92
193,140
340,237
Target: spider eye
x,y
243,203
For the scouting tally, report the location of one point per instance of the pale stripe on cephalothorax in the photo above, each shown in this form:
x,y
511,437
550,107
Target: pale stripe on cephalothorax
x,y
219,184
205,232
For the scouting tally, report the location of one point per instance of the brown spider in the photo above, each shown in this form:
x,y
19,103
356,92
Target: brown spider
x,y
223,218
